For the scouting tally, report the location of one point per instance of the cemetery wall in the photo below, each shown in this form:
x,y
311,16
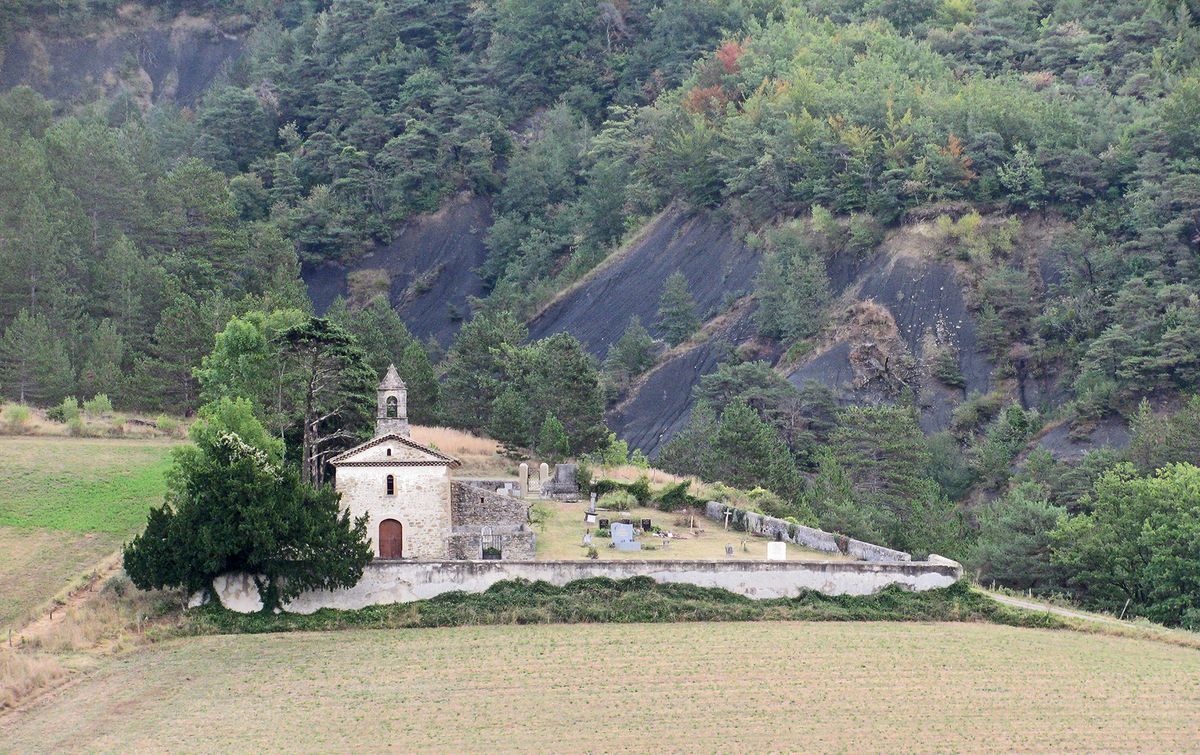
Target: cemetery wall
x,y
473,505
809,537
400,581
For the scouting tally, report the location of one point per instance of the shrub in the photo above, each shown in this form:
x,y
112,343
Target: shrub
x,y
618,500
16,418
65,411
640,490
167,424
76,427
98,406
677,497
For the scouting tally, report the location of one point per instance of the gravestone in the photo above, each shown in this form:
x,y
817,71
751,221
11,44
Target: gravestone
x,y
728,550
523,479
544,474
622,536
564,485
776,551
647,525
602,524
587,539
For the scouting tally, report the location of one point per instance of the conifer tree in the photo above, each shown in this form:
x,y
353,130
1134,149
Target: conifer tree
x,y
677,310
34,366
475,368
552,441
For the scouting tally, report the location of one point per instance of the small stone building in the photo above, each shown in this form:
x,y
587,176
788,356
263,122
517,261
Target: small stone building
x,y
416,509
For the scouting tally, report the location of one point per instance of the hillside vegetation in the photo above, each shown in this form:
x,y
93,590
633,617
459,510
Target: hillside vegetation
x,y
884,261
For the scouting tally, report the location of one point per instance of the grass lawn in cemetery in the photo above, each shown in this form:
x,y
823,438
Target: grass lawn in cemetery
x,y
561,536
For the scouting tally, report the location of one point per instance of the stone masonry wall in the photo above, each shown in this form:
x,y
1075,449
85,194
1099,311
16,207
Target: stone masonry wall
x,y
809,537
471,505
386,582
517,545
421,503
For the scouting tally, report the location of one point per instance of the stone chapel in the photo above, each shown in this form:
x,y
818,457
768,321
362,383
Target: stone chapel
x,y
415,508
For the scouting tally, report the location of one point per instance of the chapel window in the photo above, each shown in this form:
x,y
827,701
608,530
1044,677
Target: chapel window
x,y
391,485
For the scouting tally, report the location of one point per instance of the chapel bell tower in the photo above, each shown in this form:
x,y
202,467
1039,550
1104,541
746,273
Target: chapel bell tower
x,y
392,413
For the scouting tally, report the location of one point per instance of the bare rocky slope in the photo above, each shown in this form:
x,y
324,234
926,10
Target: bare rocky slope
x,y
718,268
429,271
151,61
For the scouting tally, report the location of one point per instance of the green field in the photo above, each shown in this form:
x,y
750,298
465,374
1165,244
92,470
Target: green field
x,y
683,687
65,504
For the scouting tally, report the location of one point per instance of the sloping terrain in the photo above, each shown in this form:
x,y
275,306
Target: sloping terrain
x,y
659,405
429,269
907,306
596,311
152,62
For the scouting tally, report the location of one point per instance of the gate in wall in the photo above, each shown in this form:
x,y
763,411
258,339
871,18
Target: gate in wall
x,y
491,547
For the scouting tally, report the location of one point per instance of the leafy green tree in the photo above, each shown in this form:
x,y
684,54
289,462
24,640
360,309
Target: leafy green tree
x,y
749,453
1137,543
563,381
34,366
511,419
691,451
1157,440
232,507
234,128
677,310
424,391
104,368
246,362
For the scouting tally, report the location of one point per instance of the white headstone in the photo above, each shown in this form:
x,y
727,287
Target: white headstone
x,y
523,479
776,551
544,473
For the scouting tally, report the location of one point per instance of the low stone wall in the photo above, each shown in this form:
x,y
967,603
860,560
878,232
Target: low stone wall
x,y
516,543
809,537
471,505
386,582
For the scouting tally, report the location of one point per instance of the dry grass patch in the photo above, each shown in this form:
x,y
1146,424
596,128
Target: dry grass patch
x,y
691,687
479,455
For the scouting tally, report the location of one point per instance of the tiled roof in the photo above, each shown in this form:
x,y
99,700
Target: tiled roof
x,y
343,459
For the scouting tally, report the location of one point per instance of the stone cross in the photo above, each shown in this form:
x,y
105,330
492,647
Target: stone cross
x,y
524,479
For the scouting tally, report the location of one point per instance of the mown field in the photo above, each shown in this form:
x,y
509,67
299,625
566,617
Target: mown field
x,y
65,504
698,687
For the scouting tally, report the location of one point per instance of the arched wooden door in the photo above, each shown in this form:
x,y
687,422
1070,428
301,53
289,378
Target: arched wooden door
x,y
391,539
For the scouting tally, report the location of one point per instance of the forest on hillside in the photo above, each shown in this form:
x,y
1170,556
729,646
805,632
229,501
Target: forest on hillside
x,y
134,234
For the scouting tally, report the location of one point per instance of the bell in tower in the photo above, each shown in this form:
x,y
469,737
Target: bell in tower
x,y
392,414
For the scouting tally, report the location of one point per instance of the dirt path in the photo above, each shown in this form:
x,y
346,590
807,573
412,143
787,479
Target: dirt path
x,y
57,611
1030,605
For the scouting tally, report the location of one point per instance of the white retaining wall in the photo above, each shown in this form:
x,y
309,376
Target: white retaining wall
x,y
386,582
809,537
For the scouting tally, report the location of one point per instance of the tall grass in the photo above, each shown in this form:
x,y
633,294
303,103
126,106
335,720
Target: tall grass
x,y
24,674
634,600
454,442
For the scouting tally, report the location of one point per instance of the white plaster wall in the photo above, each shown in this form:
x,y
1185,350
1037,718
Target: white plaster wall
x,y
399,582
421,504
